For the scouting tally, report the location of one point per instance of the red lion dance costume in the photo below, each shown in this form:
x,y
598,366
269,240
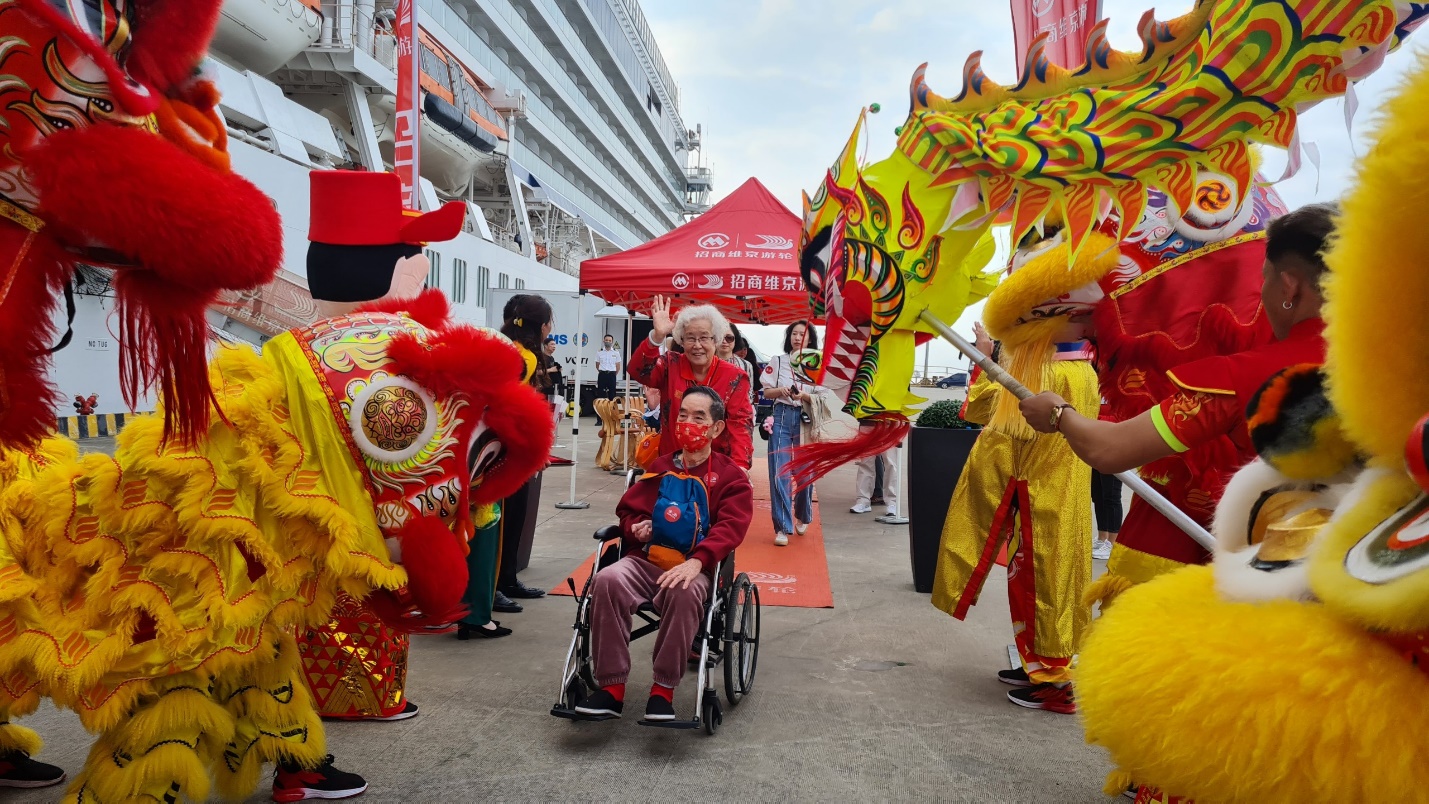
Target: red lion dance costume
x,y
156,592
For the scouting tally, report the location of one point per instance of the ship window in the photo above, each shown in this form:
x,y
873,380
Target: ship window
x,y
483,278
503,281
459,281
434,274
520,284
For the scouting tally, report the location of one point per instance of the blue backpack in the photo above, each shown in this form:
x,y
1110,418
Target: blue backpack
x,y
681,517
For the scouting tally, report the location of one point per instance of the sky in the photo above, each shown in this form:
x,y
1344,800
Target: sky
x,y
777,86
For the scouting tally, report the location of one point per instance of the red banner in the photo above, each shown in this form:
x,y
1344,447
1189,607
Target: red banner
x,y
1066,23
406,148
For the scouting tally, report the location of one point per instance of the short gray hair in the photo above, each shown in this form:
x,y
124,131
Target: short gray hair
x,y
719,326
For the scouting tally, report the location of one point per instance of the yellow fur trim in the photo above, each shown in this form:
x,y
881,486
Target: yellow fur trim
x,y
1136,566
1268,702
1116,783
1104,590
1030,360
1376,327
161,535
19,738
1045,277
1329,453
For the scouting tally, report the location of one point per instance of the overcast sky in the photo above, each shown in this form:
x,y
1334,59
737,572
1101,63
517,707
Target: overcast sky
x,y
777,85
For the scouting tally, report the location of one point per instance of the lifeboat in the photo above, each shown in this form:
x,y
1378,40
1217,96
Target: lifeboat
x,y
263,35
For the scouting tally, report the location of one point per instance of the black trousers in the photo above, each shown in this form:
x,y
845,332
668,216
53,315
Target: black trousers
x,y
518,522
605,384
1106,501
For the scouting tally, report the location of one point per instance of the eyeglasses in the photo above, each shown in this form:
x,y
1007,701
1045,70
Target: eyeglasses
x,y
690,340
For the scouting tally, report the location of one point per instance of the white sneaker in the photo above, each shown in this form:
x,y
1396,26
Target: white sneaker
x,y
801,527
860,508
781,539
1101,549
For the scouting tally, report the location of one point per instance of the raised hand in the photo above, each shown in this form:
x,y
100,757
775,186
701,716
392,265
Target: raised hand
x,y
981,339
664,324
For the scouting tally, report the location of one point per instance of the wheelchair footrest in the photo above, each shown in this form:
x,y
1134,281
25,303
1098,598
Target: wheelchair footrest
x,y
571,714
670,724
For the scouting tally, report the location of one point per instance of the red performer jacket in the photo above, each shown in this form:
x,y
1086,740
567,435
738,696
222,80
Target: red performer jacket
x,y
731,505
1214,394
672,374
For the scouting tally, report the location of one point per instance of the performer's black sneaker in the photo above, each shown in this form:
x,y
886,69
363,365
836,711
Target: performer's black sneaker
x,y
600,706
1017,678
18,770
1048,697
657,708
522,591
408,711
294,783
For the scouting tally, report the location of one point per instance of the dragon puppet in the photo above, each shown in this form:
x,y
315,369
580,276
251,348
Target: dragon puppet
x,y
156,592
1294,668
112,152
1153,149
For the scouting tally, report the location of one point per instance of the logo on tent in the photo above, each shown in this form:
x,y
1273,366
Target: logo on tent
x,y
772,242
680,281
713,282
714,240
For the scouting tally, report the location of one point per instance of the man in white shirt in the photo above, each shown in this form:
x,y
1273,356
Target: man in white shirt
x,y
607,366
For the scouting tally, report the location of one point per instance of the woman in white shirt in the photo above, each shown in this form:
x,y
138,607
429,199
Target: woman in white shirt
x,y
781,387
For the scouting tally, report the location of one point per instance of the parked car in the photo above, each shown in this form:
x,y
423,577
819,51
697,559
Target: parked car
x,y
959,380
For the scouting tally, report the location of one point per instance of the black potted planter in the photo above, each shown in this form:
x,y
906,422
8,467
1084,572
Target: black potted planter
x,y
938,448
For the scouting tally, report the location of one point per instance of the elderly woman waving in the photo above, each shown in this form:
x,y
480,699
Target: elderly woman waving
x,y
698,330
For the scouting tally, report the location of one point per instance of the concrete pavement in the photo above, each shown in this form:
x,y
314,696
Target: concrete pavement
x,y
880,698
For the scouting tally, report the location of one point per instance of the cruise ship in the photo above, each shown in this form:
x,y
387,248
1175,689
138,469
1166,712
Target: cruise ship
x,y
556,121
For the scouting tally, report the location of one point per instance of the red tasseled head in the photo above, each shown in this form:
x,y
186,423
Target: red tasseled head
x,y
812,461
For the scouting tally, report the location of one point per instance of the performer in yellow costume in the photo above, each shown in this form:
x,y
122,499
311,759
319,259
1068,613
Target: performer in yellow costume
x,y
1028,490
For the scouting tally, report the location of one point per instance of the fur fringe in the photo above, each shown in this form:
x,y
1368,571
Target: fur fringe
x,y
1104,590
809,462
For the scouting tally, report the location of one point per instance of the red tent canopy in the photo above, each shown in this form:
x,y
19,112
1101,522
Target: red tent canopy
x,y
741,256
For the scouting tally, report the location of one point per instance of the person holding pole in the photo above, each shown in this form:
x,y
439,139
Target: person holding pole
x,y
1022,489
1210,403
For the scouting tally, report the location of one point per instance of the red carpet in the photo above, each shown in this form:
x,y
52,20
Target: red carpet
x,y
797,575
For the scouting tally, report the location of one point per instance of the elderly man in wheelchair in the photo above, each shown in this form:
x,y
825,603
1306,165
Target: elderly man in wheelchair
x,y
679,524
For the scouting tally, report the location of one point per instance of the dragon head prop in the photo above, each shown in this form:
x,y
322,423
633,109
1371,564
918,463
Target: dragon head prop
x,y
1151,149
113,154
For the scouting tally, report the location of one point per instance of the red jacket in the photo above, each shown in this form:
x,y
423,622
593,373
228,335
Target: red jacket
x,y
731,505
672,374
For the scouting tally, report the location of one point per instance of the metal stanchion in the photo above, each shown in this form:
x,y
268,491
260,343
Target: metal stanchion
x,y
572,502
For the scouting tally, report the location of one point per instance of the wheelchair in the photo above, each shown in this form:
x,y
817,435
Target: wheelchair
x,y
728,635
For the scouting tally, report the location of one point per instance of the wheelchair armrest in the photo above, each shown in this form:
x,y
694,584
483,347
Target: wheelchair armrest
x,y
608,532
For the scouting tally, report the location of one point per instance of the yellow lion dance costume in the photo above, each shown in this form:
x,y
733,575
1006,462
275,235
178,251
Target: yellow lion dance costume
x,y
155,593
1309,685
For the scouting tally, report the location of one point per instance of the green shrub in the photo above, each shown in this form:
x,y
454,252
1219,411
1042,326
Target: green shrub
x,y
945,414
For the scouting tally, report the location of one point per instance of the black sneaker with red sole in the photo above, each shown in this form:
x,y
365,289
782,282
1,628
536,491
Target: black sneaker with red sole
x,y
18,770
1048,697
1016,677
295,783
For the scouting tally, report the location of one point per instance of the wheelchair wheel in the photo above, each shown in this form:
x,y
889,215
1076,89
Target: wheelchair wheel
x,y
713,713
741,638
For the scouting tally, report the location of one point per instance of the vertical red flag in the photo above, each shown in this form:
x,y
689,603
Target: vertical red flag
x,y
406,147
1066,22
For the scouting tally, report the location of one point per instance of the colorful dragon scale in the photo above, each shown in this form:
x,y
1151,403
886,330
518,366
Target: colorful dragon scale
x,y
1207,85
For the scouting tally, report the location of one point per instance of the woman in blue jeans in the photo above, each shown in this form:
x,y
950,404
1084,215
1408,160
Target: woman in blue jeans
x,y
788,397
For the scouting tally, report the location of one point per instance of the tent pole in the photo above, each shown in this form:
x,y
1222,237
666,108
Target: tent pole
x,y
573,503
625,395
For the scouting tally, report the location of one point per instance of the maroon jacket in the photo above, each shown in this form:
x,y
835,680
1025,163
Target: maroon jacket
x,y
731,505
672,374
